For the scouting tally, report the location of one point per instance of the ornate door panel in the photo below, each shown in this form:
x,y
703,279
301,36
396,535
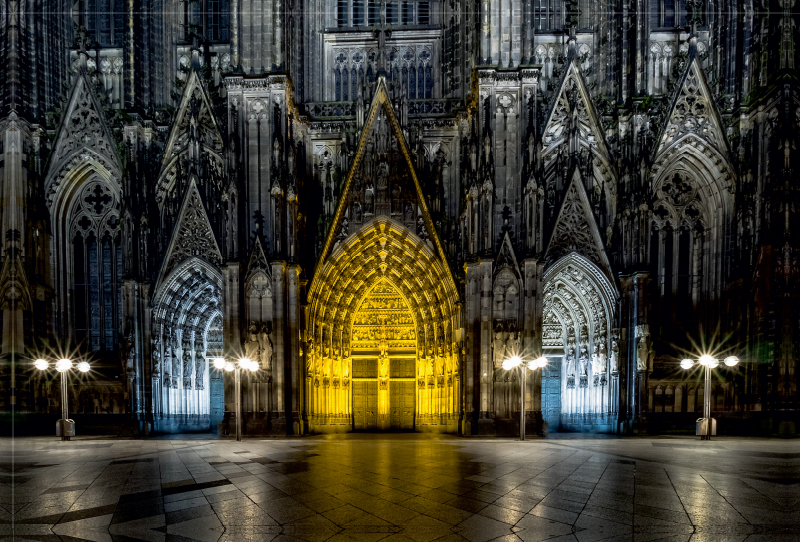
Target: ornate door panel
x,y
402,405
384,354
365,405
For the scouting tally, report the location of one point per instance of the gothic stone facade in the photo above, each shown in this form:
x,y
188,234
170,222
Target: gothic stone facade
x,y
380,201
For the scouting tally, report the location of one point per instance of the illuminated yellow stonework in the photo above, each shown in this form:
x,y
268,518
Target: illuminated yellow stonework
x,y
380,336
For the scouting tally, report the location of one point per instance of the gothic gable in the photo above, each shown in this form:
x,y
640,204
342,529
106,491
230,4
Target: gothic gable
x,y
194,132
192,236
506,259
572,120
693,114
382,181
258,259
83,136
575,229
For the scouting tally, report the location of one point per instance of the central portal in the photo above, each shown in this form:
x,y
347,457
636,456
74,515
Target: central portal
x,y
384,350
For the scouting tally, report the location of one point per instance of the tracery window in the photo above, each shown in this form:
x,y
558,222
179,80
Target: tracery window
x,y
666,13
548,14
354,13
105,21
373,13
96,267
207,18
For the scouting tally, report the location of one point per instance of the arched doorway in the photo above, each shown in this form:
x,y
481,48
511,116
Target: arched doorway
x,y
580,388
186,337
380,336
384,350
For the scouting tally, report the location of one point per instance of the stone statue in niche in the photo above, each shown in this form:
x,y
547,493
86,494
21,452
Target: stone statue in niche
x,y
346,367
569,354
156,356
513,343
176,361
383,365
614,358
130,358
642,348
187,366
310,351
584,352
600,355
383,176
251,345
356,212
168,360
440,366
408,214
326,366
200,368
265,346
499,346
369,201
336,363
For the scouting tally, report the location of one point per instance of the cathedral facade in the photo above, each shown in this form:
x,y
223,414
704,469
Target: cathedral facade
x,y
379,202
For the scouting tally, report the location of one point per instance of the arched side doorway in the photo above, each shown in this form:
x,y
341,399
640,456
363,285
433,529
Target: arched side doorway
x,y
581,387
186,336
381,321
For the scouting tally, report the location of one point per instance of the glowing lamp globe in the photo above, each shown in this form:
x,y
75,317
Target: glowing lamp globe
x,y
63,365
244,363
730,361
538,363
41,364
508,364
253,366
83,367
219,363
687,363
229,366
707,360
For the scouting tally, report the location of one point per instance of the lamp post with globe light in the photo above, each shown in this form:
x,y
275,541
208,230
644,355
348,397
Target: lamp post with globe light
x,y
708,362
512,363
63,366
243,364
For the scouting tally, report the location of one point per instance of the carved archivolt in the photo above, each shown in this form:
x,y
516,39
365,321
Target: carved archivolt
x,y
381,270
187,304
576,295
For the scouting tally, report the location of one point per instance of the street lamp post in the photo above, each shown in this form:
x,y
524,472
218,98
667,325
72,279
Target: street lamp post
x,y
63,366
708,363
243,364
514,362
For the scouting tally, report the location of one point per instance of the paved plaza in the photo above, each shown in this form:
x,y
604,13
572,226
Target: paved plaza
x,y
404,487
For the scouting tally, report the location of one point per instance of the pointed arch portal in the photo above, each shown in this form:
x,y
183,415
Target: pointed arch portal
x,y
380,337
187,335
582,382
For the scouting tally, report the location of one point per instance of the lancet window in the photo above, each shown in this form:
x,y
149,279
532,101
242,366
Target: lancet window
x,y
208,18
667,13
678,238
548,15
105,21
96,267
355,13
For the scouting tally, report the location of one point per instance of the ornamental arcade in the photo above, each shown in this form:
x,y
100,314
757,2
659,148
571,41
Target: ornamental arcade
x,y
380,202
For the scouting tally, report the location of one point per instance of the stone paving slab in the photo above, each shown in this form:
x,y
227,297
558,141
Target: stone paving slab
x,y
400,488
